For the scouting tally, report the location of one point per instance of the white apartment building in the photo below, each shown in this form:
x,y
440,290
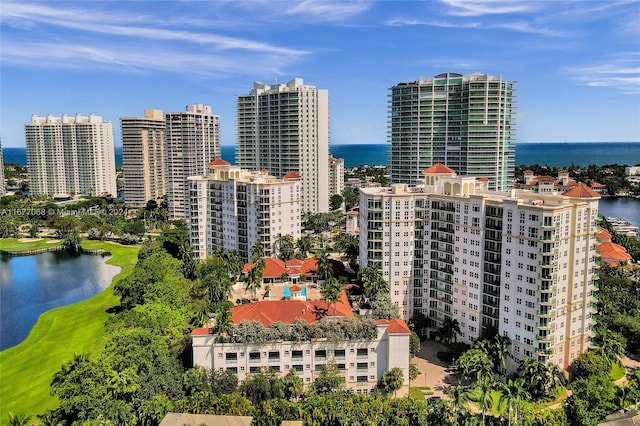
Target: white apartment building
x,y
3,189
518,262
362,362
232,209
193,140
144,157
336,175
70,155
283,128
464,122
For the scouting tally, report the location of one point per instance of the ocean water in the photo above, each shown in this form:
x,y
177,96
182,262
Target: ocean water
x,y
547,153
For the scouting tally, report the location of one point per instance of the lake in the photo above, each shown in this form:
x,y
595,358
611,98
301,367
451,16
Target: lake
x,y
32,285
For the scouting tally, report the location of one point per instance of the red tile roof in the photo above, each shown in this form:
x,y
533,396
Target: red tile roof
x,y
581,191
612,252
604,235
295,288
396,326
270,311
275,268
219,162
291,175
200,331
438,168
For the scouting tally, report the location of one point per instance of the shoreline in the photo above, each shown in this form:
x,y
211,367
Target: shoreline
x,y
27,368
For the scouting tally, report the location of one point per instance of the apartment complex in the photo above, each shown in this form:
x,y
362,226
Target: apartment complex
x,y
2,184
336,175
283,128
232,209
518,262
361,361
464,122
192,141
144,158
70,155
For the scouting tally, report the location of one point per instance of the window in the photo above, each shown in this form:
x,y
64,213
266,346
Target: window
x,y
363,352
338,353
231,357
296,354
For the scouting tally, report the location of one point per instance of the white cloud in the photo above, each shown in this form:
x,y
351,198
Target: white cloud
x,y
488,7
621,71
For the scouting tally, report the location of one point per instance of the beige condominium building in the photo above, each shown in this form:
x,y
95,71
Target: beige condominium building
x,y
193,140
465,122
233,208
283,128
70,155
519,263
336,175
144,157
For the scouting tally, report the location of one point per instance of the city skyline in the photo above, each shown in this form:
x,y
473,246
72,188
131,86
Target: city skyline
x,y
576,63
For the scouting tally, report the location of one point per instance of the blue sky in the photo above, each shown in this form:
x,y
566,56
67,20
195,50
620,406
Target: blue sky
x,y
576,63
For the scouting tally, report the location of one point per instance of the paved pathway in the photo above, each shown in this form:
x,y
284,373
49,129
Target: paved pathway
x,y
432,369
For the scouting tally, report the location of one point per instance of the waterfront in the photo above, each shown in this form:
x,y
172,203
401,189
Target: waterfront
x,y
545,153
621,208
32,285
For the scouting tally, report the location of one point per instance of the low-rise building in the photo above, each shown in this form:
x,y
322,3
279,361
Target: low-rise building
x,y
362,361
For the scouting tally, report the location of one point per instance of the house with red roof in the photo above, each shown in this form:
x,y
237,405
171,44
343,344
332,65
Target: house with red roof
x,y
361,361
551,185
611,253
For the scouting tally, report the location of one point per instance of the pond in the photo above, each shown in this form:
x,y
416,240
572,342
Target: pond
x,y
32,285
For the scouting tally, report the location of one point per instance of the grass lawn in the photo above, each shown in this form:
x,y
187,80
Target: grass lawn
x,y
27,369
617,371
13,244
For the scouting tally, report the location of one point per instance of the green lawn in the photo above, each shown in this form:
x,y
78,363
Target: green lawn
x,y
27,369
617,371
13,244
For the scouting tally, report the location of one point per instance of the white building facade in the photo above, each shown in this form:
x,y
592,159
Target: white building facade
x,y
232,209
336,175
144,158
70,155
464,122
193,140
361,362
519,263
285,127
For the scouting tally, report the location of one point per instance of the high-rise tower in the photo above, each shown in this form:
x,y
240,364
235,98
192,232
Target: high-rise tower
x,y
464,122
283,128
144,158
193,140
70,155
2,187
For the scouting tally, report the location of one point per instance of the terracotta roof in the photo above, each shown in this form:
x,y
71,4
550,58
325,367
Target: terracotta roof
x,y
604,235
263,170
275,268
396,326
438,168
200,331
610,252
291,175
270,311
295,288
352,213
219,162
581,191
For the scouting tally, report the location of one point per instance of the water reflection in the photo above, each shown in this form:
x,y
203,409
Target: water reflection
x,y
31,285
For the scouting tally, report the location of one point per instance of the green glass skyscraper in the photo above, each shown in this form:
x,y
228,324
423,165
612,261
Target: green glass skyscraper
x,y
464,122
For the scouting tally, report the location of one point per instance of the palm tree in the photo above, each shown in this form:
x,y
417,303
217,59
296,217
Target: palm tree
x,y
372,281
513,393
449,330
257,252
324,267
612,344
234,262
459,397
224,322
331,291
536,375
66,369
303,245
19,419
486,397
